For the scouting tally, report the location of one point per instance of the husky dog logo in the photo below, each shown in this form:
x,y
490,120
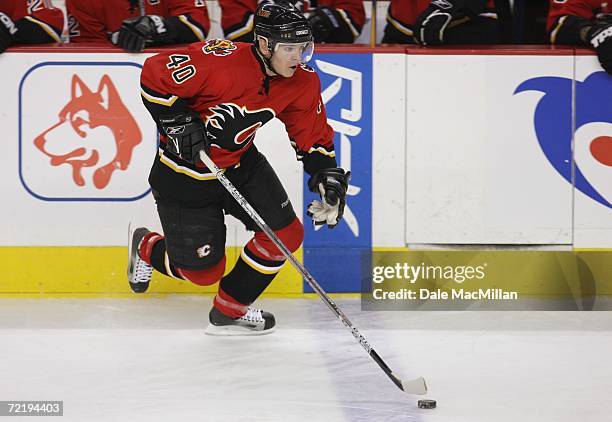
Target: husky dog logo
x,y
94,129
218,47
232,127
553,125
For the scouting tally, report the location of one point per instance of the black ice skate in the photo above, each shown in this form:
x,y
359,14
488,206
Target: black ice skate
x,y
254,323
138,272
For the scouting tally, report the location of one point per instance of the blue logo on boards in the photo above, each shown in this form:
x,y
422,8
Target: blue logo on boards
x,y
334,256
553,125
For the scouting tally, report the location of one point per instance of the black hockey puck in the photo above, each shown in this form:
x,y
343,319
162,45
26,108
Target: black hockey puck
x,y
427,404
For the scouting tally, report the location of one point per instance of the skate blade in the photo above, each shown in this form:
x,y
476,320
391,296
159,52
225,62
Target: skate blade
x,y
234,330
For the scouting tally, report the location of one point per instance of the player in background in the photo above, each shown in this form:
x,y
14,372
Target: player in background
x,y
136,24
439,22
583,22
214,95
332,21
29,22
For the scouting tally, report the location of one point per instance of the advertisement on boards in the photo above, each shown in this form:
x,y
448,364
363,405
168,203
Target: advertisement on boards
x,y
84,140
346,85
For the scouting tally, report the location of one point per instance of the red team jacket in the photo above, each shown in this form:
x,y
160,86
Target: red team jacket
x,y
226,84
586,9
41,17
94,20
403,13
237,15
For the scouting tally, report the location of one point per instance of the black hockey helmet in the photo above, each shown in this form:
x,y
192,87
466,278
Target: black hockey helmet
x,y
281,22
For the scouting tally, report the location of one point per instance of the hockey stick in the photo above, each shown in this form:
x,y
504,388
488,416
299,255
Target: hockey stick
x,y
415,386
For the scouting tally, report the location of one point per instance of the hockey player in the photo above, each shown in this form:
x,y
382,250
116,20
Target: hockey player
x,y
437,22
29,22
583,22
332,21
214,95
136,24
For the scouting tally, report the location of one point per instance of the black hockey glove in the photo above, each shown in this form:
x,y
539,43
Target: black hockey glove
x,y
299,4
331,185
136,33
603,18
431,24
323,23
7,32
600,38
186,135
328,26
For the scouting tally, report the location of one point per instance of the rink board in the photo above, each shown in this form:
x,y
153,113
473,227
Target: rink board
x,y
480,155
504,164
101,271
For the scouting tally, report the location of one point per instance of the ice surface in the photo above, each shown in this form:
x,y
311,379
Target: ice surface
x,y
147,359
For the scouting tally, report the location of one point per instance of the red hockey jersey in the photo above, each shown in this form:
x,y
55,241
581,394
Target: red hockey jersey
x,y
403,13
47,18
237,15
94,20
226,84
587,9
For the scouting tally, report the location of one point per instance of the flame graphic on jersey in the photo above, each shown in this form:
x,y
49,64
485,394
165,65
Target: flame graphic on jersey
x,y
80,136
232,127
219,47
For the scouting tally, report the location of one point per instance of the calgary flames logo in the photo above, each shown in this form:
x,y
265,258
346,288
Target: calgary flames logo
x,y
218,47
80,138
232,127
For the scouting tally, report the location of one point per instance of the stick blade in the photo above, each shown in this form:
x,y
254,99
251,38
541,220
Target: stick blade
x,y
415,386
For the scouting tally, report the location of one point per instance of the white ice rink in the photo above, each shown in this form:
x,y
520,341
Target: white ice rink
x,y
147,359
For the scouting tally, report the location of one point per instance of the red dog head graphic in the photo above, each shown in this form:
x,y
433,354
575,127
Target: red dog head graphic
x,y
95,129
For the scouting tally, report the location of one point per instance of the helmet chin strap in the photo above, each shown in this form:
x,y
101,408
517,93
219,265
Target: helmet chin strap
x,y
267,61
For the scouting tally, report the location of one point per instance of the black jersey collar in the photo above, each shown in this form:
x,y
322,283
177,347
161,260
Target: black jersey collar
x,y
262,65
265,84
